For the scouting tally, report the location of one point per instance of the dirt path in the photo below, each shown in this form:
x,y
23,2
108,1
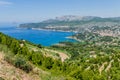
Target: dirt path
x,y
109,66
102,67
63,56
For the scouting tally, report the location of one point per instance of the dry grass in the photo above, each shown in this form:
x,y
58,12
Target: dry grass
x,y
9,72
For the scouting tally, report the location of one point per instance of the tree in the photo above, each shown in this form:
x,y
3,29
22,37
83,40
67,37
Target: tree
x,y
15,46
48,62
87,75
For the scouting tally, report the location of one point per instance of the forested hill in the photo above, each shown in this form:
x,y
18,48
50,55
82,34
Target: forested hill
x,y
34,60
95,57
74,23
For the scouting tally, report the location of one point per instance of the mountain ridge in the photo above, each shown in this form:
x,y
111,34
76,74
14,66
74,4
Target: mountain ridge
x,y
77,24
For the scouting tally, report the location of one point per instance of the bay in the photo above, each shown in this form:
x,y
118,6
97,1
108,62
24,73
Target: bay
x,y
44,37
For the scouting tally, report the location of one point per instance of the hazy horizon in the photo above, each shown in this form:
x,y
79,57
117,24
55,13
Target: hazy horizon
x,y
18,11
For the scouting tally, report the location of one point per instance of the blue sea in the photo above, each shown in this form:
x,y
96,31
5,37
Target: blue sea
x,y
44,37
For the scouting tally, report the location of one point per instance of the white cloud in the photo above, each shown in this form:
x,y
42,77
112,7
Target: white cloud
x,y
5,3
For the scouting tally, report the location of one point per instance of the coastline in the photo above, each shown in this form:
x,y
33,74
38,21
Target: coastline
x,y
70,37
53,30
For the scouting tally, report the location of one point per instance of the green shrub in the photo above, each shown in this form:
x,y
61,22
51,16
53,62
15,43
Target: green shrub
x,y
22,64
19,62
27,68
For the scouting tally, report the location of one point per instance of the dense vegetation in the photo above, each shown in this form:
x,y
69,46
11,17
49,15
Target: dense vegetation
x,y
94,58
95,55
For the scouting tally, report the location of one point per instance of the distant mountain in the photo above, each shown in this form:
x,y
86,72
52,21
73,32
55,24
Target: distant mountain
x,y
76,23
71,18
74,18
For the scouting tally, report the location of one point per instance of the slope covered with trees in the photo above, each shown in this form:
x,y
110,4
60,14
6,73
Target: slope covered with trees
x,y
95,57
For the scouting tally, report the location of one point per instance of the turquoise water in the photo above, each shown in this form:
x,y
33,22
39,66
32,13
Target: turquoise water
x,y
44,37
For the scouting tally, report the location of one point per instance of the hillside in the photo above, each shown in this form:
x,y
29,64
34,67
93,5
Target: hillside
x,y
16,65
9,72
94,57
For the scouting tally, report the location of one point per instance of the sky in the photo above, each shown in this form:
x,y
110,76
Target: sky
x,y
38,10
